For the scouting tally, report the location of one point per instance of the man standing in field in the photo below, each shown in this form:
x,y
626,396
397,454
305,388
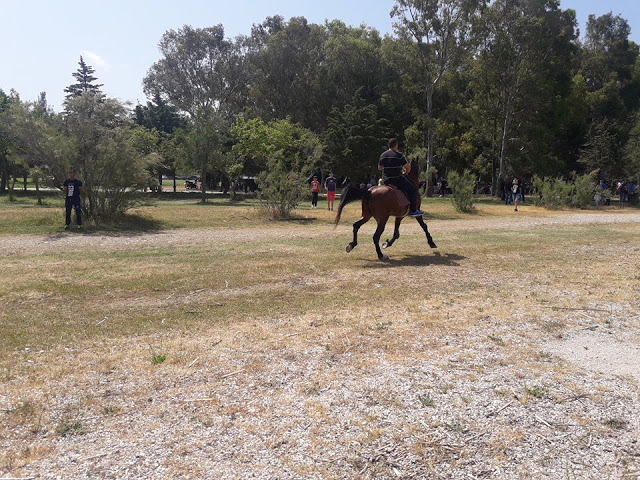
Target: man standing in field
x,y
330,184
516,192
72,190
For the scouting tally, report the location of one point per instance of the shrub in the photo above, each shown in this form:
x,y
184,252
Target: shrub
x,y
462,190
557,193
583,190
281,191
551,192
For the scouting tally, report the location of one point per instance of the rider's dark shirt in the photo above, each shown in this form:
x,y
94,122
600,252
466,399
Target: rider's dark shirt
x,y
392,163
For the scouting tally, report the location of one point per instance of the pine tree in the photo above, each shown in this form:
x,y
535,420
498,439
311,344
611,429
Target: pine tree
x,y
85,79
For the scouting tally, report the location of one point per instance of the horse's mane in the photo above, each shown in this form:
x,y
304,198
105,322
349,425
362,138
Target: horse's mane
x,y
414,173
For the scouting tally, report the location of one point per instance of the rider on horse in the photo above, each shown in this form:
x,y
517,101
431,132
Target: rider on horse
x,y
391,163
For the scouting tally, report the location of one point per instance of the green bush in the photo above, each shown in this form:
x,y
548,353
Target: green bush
x,y
462,190
281,191
557,193
583,190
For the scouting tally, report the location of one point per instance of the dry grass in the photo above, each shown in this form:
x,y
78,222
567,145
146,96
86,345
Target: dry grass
x,y
285,357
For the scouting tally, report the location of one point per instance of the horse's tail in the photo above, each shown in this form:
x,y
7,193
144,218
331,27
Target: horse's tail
x,y
350,194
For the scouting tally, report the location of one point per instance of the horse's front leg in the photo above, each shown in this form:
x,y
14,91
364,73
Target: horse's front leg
x,y
426,231
376,238
356,227
396,233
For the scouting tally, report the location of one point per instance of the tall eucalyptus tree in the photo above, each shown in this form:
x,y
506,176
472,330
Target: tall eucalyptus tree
x,y
440,31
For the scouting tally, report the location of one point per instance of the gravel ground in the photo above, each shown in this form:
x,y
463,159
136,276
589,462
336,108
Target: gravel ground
x,y
292,398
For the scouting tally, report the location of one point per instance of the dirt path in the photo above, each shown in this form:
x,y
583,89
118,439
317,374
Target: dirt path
x,y
69,241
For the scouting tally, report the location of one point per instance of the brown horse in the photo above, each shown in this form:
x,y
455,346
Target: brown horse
x,y
382,202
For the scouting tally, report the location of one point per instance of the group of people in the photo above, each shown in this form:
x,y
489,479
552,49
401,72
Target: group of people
x,y
627,191
330,184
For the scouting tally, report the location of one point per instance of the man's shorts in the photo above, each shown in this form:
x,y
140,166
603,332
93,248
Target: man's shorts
x,y
517,197
331,196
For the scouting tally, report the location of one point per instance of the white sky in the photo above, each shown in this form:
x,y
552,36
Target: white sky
x,y
41,40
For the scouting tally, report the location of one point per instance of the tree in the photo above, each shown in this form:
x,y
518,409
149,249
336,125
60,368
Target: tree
x,y
84,82
441,31
163,119
353,139
282,61
612,76
286,150
196,73
199,74
206,145
38,142
101,150
522,68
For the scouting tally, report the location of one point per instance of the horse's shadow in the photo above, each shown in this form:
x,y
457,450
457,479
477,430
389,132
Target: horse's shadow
x,y
446,259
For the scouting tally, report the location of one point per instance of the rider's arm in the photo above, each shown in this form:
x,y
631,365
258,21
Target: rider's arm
x,y
407,168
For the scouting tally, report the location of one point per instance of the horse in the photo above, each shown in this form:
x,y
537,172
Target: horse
x,y
382,202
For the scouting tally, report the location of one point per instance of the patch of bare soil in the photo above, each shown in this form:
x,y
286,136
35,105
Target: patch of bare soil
x,y
479,379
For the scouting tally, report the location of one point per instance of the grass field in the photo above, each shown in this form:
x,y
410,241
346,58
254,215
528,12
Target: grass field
x,y
208,341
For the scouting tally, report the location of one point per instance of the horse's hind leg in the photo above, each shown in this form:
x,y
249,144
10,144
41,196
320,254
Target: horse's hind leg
x,y
396,233
426,231
356,227
376,238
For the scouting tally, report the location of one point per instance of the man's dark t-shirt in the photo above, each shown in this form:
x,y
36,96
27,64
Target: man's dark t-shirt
x,y
330,184
392,163
73,188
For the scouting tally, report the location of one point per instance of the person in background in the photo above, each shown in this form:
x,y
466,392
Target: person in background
x,y
516,193
330,185
315,189
72,190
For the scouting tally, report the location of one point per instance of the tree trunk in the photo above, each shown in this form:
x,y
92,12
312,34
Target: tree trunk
x,y
429,140
4,174
38,190
203,185
503,147
159,182
12,186
175,188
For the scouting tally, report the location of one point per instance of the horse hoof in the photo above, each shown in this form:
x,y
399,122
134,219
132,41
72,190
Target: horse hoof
x,y
433,245
385,244
349,248
384,257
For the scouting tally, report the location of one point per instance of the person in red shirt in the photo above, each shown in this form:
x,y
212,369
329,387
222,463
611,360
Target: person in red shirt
x,y
315,189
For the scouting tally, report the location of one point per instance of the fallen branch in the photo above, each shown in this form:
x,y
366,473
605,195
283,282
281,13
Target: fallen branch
x,y
93,457
576,309
233,373
476,436
490,414
542,421
193,363
573,397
